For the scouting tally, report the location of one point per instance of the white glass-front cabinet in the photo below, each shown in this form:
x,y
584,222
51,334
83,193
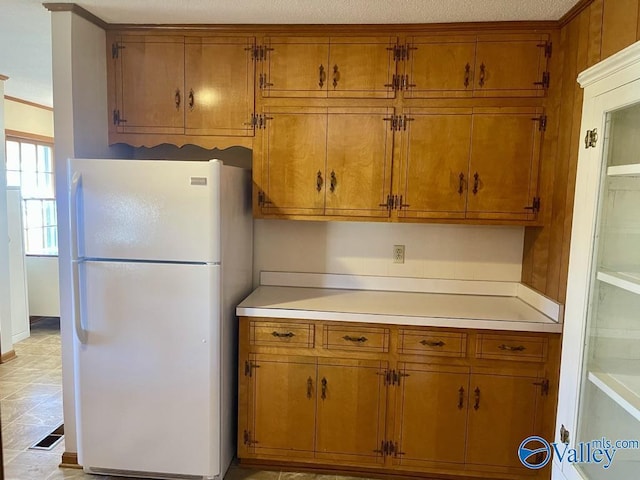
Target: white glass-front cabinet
x,y
599,399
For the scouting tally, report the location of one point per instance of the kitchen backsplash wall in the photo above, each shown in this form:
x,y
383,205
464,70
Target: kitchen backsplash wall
x,y
468,252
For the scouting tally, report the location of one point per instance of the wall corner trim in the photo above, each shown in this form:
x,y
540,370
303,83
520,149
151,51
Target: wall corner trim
x,y
78,10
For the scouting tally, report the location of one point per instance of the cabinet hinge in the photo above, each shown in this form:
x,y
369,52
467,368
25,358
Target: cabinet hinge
x,y
247,438
542,122
262,200
116,118
546,78
258,52
260,121
591,138
262,81
544,386
535,205
249,367
548,47
388,204
115,49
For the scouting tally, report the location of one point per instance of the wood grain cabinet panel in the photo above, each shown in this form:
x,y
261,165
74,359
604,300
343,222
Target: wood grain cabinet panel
x,y
431,412
440,66
149,84
341,67
510,65
504,163
294,67
361,67
219,82
504,409
435,163
293,155
281,416
351,399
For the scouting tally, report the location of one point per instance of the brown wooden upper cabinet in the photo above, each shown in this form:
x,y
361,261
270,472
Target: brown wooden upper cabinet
x,y
149,84
475,163
498,65
324,161
182,85
219,79
321,67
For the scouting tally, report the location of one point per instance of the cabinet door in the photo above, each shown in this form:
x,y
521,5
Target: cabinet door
x,y
293,153
351,400
510,66
295,67
359,153
219,81
503,171
149,84
431,414
440,66
435,162
281,420
361,67
504,409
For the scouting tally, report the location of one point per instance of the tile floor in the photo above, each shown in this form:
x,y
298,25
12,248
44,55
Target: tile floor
x,y
31,408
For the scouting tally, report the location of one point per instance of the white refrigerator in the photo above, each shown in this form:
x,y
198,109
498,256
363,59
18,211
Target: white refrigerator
x,y
161,254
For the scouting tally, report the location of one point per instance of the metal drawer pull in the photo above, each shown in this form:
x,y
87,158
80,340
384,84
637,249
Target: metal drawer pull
x,y
177,99
461,187
482,75
431,343
192,100
319,181
282,335
322,76
509,348
309,387
355,339
334,181
324,388
467,75
461,398
477,404
476,181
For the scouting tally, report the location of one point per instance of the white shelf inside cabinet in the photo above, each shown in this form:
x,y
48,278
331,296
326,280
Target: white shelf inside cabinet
x,y
632,170
626,280
620,381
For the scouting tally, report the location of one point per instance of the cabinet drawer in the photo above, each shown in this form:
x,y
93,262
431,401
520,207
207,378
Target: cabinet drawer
x,y
281,334
363,339
512,347
432,343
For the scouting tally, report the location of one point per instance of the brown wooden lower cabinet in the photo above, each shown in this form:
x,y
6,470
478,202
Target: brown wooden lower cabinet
x,y
397,408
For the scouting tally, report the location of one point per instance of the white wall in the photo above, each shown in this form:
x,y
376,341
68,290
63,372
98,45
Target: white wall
x,y
27,118
6,343
80,122
42,281
42,271
469,252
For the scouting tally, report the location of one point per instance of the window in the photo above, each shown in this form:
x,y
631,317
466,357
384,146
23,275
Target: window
x,y
30,167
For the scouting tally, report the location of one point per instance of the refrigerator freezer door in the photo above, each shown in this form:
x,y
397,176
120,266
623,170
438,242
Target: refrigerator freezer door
x,y
148,375
147,209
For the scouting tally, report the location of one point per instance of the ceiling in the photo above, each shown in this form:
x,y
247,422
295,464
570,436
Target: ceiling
x,y
25,30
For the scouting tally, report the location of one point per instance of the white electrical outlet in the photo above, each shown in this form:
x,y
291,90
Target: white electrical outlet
x,y
398,254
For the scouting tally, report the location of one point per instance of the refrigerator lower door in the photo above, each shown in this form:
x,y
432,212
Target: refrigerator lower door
x,y
148,372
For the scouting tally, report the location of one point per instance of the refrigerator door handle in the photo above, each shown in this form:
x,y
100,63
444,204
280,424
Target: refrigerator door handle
x,y
75,185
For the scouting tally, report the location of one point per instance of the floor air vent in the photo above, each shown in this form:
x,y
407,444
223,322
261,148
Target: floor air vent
x,y
50,441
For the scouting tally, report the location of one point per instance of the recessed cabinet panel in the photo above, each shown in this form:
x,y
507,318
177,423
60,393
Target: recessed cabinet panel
x,y
431,409
440,66
351,400
503,411
282,406
435,163
503,170
295,67
510,66
219,82
149,84
294,151
361,67
359,156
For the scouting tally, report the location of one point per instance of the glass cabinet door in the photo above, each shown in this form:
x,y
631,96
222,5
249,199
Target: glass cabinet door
x,y
609,399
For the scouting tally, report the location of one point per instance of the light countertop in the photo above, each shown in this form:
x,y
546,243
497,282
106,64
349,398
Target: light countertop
x,y
458,310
